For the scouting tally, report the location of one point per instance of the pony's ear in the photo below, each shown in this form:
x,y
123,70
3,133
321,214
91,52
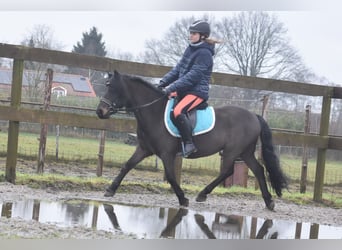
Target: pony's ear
x,y
116,74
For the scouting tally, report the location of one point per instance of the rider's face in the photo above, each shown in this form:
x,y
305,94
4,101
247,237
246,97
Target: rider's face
x,y
194,37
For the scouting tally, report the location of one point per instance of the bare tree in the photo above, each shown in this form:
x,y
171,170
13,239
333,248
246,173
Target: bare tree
x,y
256,45
121,55
170,48
41,36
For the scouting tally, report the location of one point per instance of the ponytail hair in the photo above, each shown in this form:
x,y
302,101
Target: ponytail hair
x,y
212,40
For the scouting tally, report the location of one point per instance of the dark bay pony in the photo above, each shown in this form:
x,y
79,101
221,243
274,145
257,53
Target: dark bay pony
x,y
235,134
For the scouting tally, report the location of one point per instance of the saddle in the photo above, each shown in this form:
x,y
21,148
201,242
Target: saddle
x,y
202,119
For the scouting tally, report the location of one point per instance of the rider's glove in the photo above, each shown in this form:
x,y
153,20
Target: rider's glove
x,y
166,91
161,84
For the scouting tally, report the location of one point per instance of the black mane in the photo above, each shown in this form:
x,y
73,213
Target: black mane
x,y
142,81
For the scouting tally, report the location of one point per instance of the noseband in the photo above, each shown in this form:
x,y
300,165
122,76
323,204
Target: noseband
x,y
113,106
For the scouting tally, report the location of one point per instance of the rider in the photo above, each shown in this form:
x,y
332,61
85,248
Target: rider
x,y
190,80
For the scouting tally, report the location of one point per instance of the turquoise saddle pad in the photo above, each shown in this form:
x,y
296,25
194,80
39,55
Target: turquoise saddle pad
x,y
205,120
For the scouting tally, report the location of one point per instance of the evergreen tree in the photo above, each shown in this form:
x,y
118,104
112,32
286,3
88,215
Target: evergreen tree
x,y
91,44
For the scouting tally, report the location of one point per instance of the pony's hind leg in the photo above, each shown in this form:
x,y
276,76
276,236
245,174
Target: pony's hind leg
x,y
259,173
139,154
226,171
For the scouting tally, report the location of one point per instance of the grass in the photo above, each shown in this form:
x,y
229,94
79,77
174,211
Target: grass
x,y
292,166
61,182
116,153
85,150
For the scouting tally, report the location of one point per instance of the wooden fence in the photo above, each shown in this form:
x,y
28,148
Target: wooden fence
x,y
15,113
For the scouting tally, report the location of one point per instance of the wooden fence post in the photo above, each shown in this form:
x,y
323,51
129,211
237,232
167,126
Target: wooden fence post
x,y
314,231
57,142
36,210
44,126
321,152
99,169
178,168
304,172
254,223
264,108
95,216
13,130
298,232
264,100
170,231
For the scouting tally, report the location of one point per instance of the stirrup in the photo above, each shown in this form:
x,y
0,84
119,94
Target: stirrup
x,y
193,149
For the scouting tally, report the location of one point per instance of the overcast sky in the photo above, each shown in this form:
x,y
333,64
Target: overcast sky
x,y
317,35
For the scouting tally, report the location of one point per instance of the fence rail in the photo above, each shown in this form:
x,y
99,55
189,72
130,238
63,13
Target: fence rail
x,y
16,114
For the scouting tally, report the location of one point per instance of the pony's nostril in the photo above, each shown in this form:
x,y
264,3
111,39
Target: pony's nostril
x,y
99,113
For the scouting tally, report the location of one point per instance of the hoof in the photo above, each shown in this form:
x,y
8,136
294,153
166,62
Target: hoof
x,y
270,205
183,211
184,202
201,198
199,218
108,208
109,193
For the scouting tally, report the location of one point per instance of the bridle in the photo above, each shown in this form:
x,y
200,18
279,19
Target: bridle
x,y
113,106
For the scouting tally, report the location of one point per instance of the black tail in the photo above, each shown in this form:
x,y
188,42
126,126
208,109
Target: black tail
x,y
271,161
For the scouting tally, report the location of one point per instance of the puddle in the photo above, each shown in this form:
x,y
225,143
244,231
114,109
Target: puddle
x,y
154,222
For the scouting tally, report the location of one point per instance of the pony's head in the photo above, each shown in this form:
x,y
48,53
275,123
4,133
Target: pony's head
x,y
114,99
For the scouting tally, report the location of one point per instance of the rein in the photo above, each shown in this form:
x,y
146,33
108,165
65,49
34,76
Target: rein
x,y
113,109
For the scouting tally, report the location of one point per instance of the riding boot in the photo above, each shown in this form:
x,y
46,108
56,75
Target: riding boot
x,y
184,126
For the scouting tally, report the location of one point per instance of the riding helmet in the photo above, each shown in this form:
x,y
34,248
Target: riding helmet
x,y
201,27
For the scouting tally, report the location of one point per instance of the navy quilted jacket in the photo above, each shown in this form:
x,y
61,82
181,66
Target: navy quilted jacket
x,y
192,73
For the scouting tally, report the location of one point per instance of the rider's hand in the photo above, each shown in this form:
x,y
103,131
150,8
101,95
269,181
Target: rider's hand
x,y
173,94
166,91
161,85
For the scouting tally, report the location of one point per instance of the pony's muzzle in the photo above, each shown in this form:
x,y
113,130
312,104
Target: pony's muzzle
x,y
102,113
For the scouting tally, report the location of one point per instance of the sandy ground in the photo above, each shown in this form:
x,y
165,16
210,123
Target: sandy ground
x,y
244,204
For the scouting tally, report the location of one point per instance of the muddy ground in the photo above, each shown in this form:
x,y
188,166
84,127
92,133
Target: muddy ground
x,y
244,204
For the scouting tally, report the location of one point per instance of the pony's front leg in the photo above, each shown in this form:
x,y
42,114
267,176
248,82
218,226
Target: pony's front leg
x,y
168,162
137,157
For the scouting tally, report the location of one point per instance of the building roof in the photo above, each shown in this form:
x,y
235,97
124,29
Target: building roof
x,y
78,82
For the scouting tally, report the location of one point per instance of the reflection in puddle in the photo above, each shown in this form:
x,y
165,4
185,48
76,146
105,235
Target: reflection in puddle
x,y
154,222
